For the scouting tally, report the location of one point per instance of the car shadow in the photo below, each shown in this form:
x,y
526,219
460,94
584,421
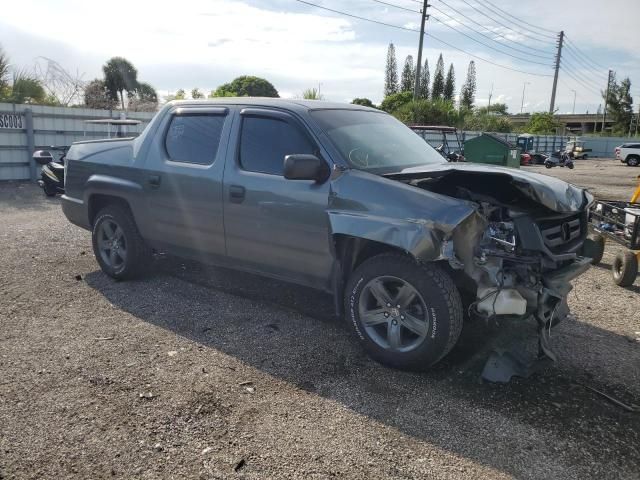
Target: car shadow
x,y
291,333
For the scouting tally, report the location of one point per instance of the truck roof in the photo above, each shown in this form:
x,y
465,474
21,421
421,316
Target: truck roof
x,y
292,104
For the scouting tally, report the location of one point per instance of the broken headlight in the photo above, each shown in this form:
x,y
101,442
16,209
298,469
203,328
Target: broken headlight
x,y
501,236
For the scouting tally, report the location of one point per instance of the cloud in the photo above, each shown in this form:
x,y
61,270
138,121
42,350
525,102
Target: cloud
x,y
209,42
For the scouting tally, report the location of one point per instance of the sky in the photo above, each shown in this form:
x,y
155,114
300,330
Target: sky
x,y
205,43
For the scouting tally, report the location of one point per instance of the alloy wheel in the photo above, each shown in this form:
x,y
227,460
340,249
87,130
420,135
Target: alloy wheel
x,y
393,313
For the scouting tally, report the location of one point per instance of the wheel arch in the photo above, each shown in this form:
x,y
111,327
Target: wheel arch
x,y
352,251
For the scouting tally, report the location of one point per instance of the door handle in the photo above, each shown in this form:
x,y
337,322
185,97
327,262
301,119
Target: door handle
x,y
154,181
236,193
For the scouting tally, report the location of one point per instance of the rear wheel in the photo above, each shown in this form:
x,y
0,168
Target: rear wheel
x,y
593,248
625,268
405,314
120,250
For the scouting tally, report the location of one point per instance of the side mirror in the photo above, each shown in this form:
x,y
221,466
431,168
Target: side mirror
x,y
306,167
42,157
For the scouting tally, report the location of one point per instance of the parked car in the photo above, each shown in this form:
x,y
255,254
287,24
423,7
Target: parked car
x,y
342,198
629,153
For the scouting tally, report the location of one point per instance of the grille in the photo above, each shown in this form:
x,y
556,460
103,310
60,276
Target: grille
x,y
559,234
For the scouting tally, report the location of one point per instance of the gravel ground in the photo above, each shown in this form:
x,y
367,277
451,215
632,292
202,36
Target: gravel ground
x,y
199,372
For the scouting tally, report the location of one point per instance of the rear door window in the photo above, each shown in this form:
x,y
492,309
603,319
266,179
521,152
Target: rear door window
x,y
194,138
265,141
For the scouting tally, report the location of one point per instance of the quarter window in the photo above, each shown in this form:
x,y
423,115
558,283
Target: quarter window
x,y
194,138
264,142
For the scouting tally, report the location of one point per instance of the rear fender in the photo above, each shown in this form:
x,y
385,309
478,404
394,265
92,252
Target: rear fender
x,y
127,190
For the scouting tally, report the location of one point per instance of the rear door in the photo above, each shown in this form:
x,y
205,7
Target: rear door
x,y
273,225
184,181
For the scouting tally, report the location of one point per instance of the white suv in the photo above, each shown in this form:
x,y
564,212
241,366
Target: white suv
x,y
629,153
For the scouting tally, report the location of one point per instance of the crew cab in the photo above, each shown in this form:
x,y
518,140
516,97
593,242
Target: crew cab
x,y
629,153
342,198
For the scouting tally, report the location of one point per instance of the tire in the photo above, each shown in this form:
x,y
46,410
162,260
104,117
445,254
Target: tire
x,y
420,332
585,156
132,255
625,268
570,166
548,164
633,161
593,248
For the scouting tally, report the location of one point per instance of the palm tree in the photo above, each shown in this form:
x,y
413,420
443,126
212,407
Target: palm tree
x,y
120,75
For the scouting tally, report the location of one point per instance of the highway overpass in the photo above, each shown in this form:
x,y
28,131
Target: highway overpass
x,y
579,123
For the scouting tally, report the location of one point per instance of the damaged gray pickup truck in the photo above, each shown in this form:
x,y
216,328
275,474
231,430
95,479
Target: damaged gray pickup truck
x,y
341,198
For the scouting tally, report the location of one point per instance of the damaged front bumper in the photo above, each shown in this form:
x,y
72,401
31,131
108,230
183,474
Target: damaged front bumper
x,y
522,268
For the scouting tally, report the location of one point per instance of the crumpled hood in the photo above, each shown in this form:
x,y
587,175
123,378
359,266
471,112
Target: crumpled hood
x,y
551,192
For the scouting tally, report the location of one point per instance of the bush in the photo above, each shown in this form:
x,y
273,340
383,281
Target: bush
x,y
246,86
429,112
365,102
487,122
393,102
542,123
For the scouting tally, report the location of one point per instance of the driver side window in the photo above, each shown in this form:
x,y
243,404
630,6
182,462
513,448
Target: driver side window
x,y
265,141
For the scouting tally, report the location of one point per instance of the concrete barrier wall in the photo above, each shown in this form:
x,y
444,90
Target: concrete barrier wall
x,y
24,128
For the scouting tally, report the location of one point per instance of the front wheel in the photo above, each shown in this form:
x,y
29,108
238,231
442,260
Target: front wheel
x,y
633,161
120,250
406,315
548,165
570,165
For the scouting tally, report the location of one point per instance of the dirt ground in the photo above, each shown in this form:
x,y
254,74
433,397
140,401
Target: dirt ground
x,y
200,372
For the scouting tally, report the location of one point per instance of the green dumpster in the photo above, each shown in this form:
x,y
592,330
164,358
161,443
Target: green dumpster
x,y
488,148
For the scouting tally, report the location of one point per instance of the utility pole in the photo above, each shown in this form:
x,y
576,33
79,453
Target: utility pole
x,y
555,76
573,110
490,95
416,88
606,100
637,120
522,104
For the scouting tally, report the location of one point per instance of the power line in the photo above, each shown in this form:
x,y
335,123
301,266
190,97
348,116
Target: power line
x,y
484,59
494,12
487,36
427,34
548,54
571,67
585,57
584,65
396,6
581,82
486,45
519,19
505,26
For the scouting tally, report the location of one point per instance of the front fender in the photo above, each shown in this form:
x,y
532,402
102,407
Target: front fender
x,y
387,211
412,236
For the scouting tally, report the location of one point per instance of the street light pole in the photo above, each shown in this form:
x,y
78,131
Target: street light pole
x,y
573,110
522,104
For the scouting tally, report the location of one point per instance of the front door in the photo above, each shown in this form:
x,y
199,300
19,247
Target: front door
x,y
273,225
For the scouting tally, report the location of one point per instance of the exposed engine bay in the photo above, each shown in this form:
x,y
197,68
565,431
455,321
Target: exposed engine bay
x,y
517,253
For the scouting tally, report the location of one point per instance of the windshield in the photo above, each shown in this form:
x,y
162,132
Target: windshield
x,y
375,141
